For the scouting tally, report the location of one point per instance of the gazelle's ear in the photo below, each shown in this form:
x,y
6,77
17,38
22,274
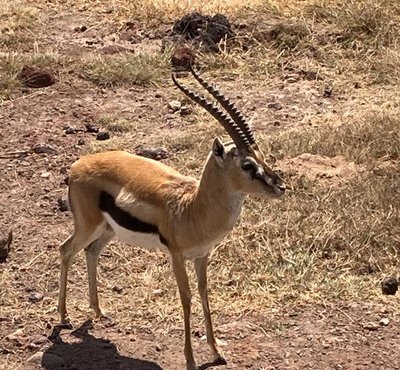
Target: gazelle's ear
x,y
219,151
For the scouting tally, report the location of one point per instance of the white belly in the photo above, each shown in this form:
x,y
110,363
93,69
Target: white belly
x,y
143,240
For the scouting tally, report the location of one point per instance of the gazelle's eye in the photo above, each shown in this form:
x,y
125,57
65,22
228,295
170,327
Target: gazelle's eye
x,y
247,166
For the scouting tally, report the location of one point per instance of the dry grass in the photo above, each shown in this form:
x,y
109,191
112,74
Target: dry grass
x,y
322,242
363,139
141,69
15,16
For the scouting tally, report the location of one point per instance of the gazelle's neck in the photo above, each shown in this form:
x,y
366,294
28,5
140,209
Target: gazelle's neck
x,y
215,189
215,207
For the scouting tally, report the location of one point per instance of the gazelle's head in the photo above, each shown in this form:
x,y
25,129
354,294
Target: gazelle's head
x,y
242,162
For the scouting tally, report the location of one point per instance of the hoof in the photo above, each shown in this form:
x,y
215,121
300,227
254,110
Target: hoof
x,y
219,361
106,321
65,324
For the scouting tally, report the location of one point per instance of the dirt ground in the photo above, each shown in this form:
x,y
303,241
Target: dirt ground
x,y
335,335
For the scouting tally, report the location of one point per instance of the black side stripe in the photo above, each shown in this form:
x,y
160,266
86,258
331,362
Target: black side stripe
x,y
125,219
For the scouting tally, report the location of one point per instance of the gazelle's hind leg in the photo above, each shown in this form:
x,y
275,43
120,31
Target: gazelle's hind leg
x,y
80,239
89,226
92,258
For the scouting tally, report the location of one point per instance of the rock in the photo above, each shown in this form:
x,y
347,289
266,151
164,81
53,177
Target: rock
x,y
81,141
62,204
102,135
275,106
70,130
35,77
80,29
208,30
384,321
35,297
91,128
371,326
153,153
185,110
182,58
5,245
45,175
390,285
174,105
43,148
117,289
46,360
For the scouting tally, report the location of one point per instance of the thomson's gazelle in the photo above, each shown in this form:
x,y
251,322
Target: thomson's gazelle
x,y
150,205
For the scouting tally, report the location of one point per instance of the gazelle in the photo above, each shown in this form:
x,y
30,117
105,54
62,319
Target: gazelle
x,y
150,205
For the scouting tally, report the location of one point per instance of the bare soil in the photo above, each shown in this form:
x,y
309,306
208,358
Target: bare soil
x,y
336,335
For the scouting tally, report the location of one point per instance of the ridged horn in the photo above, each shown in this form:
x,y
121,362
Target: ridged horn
x,y
227,104
231,127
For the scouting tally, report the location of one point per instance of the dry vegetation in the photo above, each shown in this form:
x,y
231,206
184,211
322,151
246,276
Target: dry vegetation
x,y
330,238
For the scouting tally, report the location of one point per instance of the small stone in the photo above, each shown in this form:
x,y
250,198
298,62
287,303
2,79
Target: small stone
x,y
91,128
384,321
35,297
291,80
174,105
70,130
157,292
390,285
42,148
45,175
81,141
62,204
153,153
371,326
102,135
185,110
80,29
117,289
275,105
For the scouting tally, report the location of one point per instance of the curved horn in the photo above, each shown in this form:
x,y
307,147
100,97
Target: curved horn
x,y
231,127
227,104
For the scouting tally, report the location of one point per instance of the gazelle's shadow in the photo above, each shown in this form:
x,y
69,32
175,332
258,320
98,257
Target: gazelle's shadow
x,y
90,353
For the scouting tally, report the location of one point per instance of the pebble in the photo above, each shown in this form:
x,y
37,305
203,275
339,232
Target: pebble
x,y
174,105
384,321
35,297
45,175
102,135
275,105
42,148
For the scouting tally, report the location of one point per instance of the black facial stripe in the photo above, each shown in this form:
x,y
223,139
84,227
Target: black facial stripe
x,y
125,219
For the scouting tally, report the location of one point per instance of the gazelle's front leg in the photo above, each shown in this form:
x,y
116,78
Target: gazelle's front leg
x,y
200,265
178,264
